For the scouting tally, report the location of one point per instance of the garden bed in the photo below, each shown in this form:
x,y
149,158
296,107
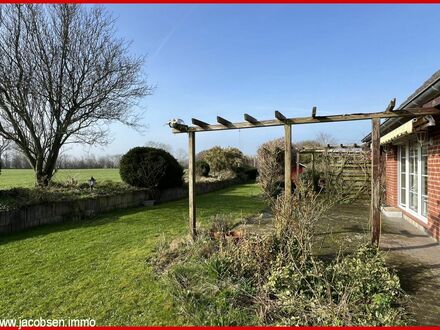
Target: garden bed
x,y
22,208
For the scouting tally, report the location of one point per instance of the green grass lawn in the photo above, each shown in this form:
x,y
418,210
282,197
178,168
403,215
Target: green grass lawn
x,y
11,178
97,269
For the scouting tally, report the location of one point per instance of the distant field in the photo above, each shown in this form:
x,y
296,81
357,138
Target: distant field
x,y
26,178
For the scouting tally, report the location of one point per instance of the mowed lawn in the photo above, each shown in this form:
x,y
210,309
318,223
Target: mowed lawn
x,y
97,268
11,178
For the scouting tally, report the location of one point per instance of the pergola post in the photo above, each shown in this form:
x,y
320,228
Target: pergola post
x,y
287,161
375,182
192,184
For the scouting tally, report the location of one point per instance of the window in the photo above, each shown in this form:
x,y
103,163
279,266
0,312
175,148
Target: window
x,y
413,179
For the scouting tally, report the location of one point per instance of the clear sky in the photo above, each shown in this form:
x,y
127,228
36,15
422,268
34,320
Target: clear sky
x,y
209,60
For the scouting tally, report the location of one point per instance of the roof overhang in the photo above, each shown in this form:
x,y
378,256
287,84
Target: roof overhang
x,y
398,133
407,129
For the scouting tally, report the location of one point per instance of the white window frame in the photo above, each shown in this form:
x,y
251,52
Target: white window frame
x,y
418,213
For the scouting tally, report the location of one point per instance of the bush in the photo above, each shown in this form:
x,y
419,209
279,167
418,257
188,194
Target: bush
x,y
270,160
276,279
202,168
223,159
247,172
150,168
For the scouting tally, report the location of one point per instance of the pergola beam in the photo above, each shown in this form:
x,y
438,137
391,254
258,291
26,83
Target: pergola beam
x,y
391,105
280,116
250,119
224,121
199,123
409,113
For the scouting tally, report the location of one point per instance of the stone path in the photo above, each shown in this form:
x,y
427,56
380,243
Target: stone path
x,y
416,257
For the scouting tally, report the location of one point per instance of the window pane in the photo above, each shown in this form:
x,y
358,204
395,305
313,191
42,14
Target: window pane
x,y
403,180
413,159
425,206
413,200
425,185
403,196
403,175
424,160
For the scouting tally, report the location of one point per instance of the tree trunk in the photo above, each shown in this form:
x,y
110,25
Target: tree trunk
x,y
43,178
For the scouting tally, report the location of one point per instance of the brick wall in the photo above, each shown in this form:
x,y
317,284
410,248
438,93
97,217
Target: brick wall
x,y
434,185
391,177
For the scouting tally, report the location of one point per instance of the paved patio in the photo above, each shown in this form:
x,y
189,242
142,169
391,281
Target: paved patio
x,y
414,255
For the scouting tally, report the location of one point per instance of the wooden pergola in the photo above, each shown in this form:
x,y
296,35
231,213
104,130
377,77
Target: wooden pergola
x,y
287,123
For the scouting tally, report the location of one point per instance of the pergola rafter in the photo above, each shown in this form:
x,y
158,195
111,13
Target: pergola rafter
x,y
282,120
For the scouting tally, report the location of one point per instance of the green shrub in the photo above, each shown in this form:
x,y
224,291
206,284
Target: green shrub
x,y
202,168
150,168
247,172
223,159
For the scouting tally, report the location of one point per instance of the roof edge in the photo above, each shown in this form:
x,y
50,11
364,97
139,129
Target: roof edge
x,y
425,93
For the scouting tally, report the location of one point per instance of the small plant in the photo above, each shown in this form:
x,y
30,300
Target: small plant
x,y
150,168
202,168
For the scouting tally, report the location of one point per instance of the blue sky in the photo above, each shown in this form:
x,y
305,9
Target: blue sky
x,y
209,60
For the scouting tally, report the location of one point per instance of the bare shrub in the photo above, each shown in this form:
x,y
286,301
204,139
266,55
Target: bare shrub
x,y
275,279
270,162
295,219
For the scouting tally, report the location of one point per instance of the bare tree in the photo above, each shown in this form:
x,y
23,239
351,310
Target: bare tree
x,y
325,139
4,146
159,145
64,77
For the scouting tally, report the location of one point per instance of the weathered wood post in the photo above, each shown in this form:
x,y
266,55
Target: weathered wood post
x,y
375,182
297,164
192,184
287,161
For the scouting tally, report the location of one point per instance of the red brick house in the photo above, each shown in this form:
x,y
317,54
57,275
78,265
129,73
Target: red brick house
x,y
411,154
